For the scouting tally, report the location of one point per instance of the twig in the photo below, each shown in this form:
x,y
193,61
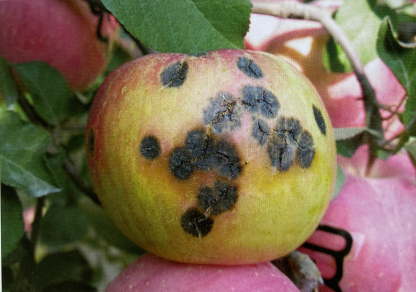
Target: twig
x,y
40,203
289,9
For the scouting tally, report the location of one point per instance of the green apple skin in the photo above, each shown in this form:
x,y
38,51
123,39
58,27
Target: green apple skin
x,y
270,202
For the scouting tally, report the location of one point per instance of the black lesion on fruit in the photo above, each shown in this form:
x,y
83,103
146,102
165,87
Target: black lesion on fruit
x,y
223,113
91,142
306,150
319,120
214,201
150,147
261,131
283,143
174,75
203,54
249,68
201,147
180,163
258,99
196,223
225,160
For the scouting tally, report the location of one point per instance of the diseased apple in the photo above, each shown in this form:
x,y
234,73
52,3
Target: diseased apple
x,y
227,157
62,33
152,274
376,216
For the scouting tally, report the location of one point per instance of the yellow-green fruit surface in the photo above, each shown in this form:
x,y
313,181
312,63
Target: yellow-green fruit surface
x,y
227,157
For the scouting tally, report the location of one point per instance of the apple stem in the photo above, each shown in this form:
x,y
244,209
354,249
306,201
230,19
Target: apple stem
x,y
290,9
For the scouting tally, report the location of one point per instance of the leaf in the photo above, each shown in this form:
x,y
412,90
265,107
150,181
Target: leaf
x,y
401,59
346,133
60,267
360,20
12,227
22,150
8,88
48,89
340,181
62,225
70,286
184,26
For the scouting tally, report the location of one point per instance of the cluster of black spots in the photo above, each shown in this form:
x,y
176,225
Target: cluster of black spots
x,y
223,113
180,163
226,161
149,147
319,120
201,147
91,142
218,199
249,68
261,131
196,223
174,75
289,143
258,99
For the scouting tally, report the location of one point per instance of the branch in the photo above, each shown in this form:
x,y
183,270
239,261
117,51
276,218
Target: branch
x,y
289,9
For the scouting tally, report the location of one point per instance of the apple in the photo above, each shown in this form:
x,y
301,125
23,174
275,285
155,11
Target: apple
x,y
227,157
62,33
375,216
153,274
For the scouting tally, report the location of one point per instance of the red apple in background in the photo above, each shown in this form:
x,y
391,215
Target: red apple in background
x,y
152,274
59,32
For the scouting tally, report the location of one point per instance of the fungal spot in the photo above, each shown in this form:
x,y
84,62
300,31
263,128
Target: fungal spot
x,y
180,163
91,142
203,54
174,75
200,146
319,120
223,113
219,199
226,161
306,150
283,145
258,99
150,147
195,223
249,68
261,131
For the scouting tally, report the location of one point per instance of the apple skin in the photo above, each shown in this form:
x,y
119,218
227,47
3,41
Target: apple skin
x,y
273,212
378,211
61,33
152,274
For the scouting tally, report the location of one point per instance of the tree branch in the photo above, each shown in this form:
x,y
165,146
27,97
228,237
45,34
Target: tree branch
x,y
290,9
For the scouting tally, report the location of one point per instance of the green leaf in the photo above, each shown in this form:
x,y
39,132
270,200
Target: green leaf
x,y
22,151
360,20
12,225
184,26
70,286
60,267
8,87
340,181
401,59
48,89
63,225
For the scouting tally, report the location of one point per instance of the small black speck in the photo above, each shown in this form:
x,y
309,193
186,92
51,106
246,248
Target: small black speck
x,y
174,75
319,120
226,161
261,131
91,142
150,147
195,223
180,163
258,99
219,199
306,150
249,68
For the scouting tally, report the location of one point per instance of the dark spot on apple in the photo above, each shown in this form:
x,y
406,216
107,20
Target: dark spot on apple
x,y
258,99
150,147
319,120
261,131
219,199
180,163
201,146
203,54
283,143
196,223
91,142
226,161
249,68
223,113
306,150
174,75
